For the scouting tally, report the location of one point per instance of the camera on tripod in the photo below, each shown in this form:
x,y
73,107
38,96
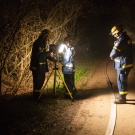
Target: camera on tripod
x,y
54,48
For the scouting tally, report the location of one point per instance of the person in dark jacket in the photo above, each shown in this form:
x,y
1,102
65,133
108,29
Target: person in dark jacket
x,y
123,60
38,63
68,68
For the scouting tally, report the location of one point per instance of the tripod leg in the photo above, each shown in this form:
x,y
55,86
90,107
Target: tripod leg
x,y
45,84
65,85
54,85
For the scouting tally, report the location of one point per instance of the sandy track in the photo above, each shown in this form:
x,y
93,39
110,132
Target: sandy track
x,y
93,115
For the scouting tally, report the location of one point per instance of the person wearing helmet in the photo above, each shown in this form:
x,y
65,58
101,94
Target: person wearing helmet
x,y
121,54
38,63
67,53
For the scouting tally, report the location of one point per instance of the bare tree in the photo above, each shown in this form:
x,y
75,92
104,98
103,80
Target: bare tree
x,y
15,48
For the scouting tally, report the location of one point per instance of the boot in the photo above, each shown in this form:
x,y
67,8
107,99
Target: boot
x,y
36,95
74,93
120,100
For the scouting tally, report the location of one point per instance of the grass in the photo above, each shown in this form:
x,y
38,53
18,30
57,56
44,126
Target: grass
x,y
83,67
81,76
81,70
23,116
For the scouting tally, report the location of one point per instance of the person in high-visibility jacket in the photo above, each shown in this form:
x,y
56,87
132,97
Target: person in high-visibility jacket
x,y
67,53
123,60
38,63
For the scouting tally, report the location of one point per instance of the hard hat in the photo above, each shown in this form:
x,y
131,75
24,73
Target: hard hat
x,y
46,32
116,29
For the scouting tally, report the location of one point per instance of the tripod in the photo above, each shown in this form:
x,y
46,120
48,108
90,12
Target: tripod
x,y
56,70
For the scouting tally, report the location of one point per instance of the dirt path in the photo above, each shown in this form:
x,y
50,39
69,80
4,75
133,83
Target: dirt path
x,y
94,113
125,112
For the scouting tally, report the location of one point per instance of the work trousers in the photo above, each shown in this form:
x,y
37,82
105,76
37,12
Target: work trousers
x,y
38,81
69,80
122,82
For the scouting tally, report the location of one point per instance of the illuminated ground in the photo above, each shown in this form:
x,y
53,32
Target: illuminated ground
x,y
94,112
88,115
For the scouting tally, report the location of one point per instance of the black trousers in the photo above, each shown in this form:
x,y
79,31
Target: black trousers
x,y
38,79
69,80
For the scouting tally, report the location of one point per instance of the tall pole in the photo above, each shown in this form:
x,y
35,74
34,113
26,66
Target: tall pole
x,y
0,81
54,84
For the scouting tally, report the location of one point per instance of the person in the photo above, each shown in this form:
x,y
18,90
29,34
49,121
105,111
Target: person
x,y
121,54
67,52
38,63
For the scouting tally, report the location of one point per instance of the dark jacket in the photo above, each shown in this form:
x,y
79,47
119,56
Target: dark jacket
x,y
122,52
39,55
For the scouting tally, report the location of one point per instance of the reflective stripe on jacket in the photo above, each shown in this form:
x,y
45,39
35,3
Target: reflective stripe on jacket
x,y
39,55
122,52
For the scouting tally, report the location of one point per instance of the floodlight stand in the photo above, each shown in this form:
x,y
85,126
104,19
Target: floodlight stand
x,y
56,70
